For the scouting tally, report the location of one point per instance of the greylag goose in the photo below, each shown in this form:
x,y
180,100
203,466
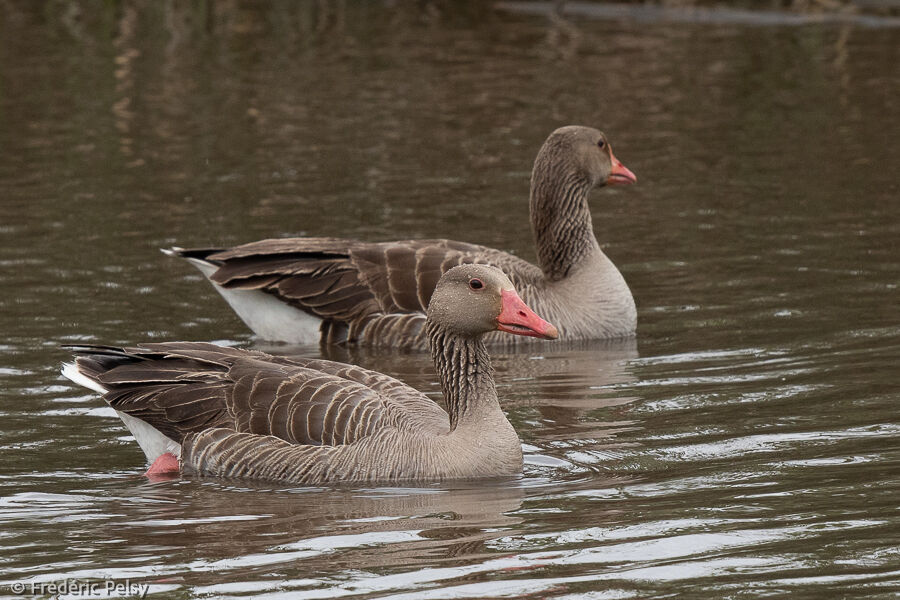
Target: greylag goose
x,y
225,412
300,290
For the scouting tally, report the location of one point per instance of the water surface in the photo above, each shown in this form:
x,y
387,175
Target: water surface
x,y
745,444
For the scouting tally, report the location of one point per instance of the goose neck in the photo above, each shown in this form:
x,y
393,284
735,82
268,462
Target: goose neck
x,y
561,219
467,377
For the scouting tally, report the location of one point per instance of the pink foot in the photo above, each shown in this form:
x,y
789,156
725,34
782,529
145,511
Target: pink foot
x,y
166,464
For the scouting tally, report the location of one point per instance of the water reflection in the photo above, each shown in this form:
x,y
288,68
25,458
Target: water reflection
x,y
745,445
148,519
689,12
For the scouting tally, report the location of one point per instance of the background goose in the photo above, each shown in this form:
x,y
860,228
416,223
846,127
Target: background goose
x,y
227,412
300,290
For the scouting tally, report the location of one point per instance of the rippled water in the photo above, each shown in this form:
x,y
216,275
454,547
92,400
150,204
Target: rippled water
x,y
745,445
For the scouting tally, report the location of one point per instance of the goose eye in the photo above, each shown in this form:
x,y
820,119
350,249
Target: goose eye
x,y
476,284
601,143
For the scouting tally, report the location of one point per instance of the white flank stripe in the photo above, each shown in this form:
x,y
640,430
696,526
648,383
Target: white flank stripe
x,y
267,316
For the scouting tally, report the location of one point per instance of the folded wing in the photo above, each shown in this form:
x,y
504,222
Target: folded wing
x,y
345,280
183,388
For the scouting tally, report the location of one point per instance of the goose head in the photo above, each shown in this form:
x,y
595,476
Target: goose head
x,y
588,154
471,300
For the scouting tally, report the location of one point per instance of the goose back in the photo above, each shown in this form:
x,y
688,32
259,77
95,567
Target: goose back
x,y
181,388
374,294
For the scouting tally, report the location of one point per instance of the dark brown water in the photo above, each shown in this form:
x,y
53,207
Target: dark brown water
x,y
747,444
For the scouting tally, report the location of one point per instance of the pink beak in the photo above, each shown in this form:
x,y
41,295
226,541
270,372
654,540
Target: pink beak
x,y
620,174
515,317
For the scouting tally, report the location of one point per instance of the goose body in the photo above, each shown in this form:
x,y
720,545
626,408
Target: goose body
x,y
227,412
302,290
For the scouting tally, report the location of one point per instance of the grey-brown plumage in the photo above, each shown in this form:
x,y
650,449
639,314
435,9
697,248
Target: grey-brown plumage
x,y
243,413
376,293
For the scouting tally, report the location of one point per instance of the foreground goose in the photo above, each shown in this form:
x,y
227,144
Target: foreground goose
x,y
208,410
301,290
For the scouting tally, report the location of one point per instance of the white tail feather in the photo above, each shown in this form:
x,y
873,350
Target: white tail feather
x,y
152,442
70,371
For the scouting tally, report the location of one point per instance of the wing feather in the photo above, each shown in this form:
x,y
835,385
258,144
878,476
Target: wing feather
x,y
184,388
350,282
